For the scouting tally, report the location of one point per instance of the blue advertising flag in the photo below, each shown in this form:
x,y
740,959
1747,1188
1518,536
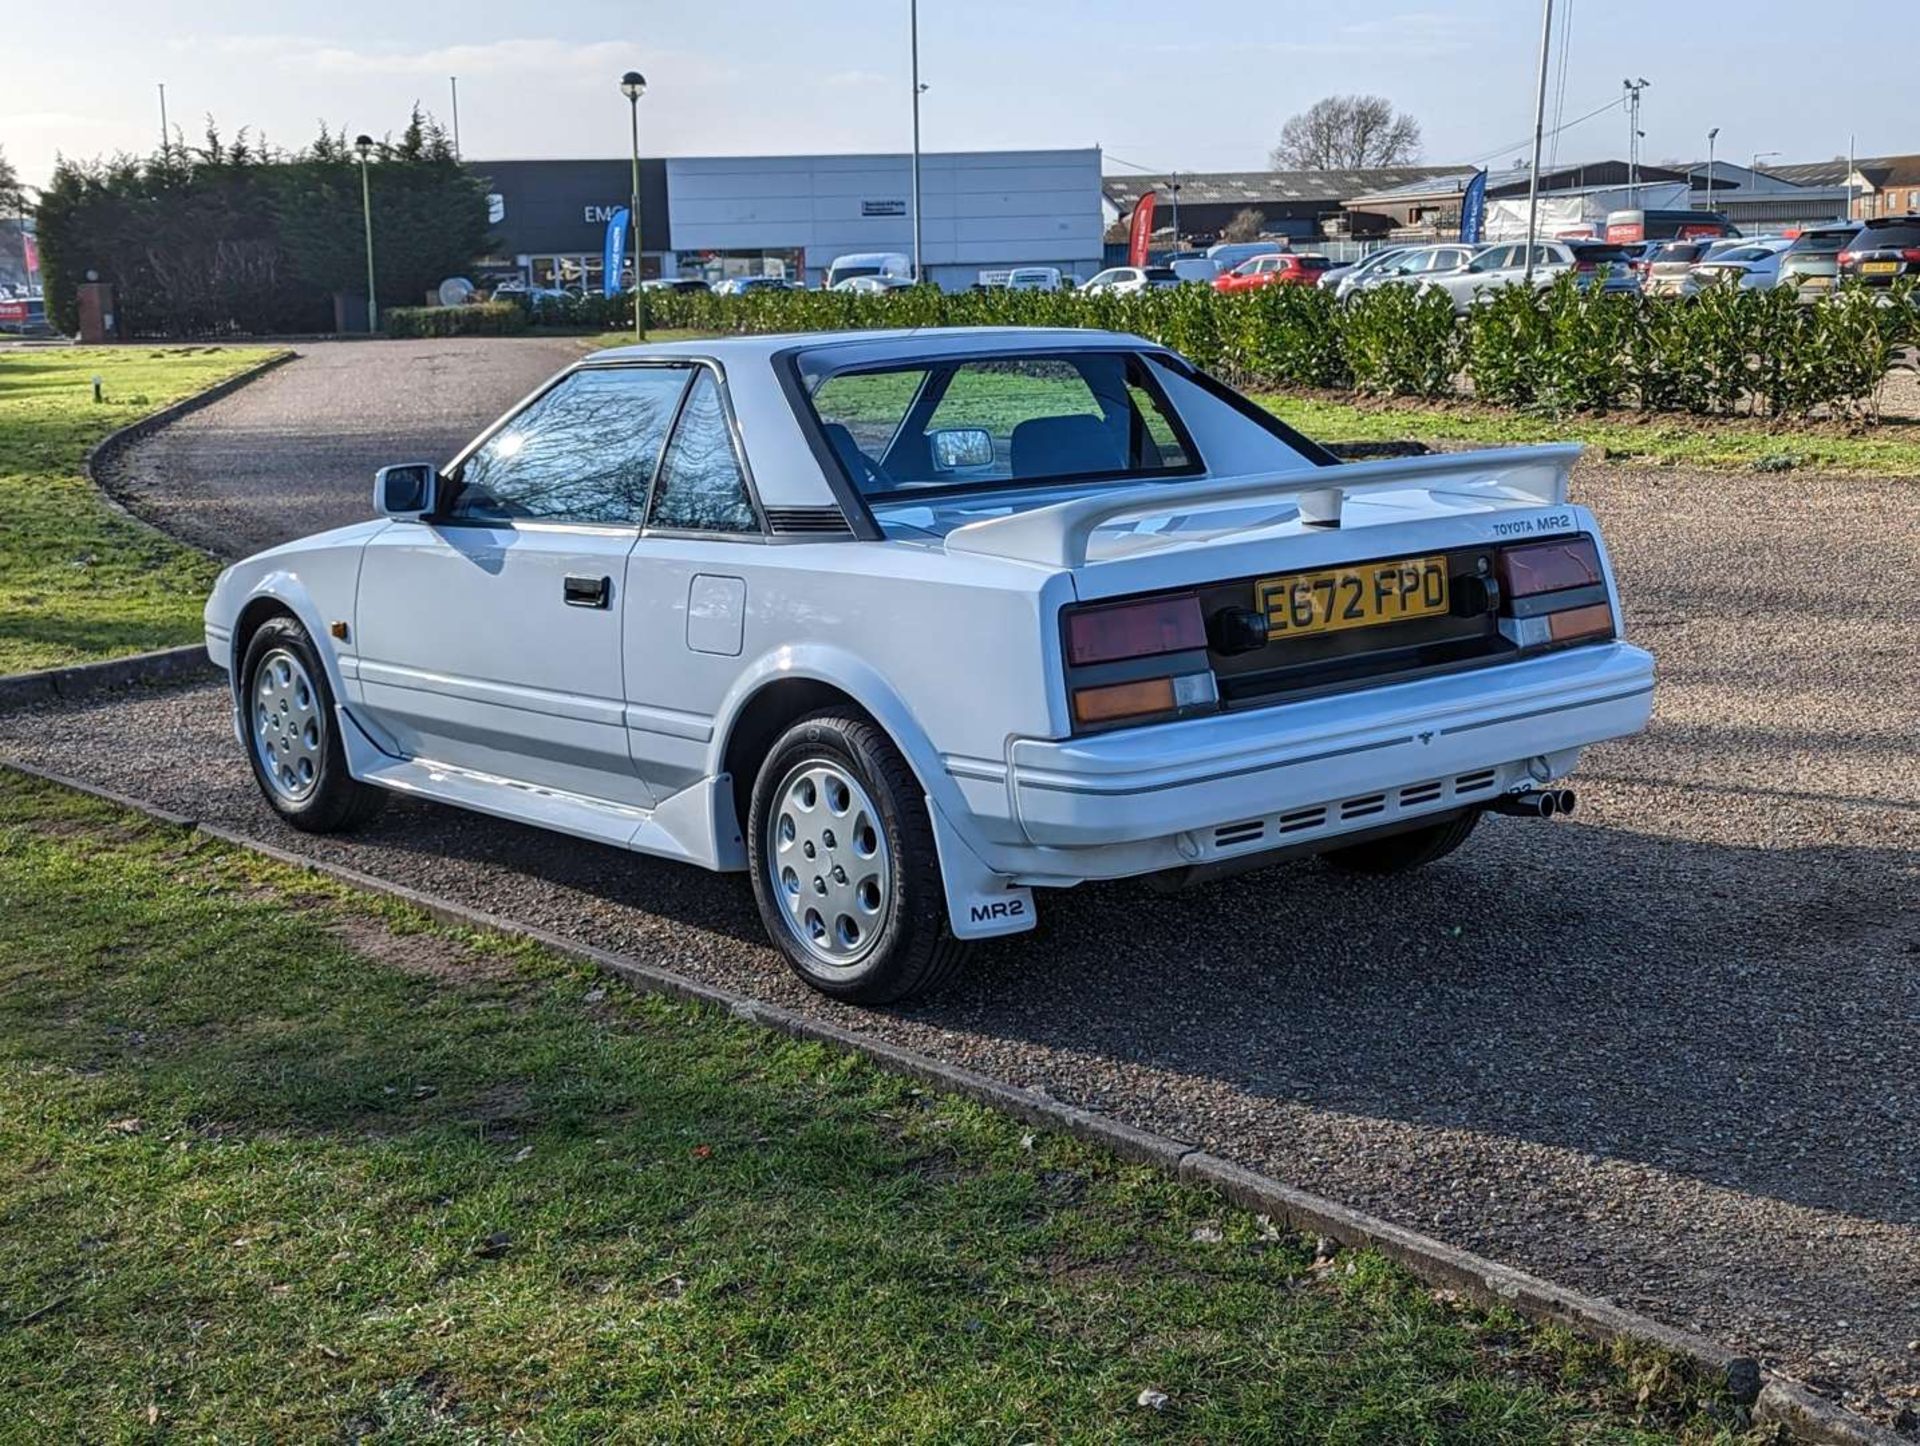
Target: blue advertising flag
x,y
616,251
1473,208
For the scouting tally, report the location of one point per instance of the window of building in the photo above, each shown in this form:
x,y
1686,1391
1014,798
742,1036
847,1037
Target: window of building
x,y
583,451
701,487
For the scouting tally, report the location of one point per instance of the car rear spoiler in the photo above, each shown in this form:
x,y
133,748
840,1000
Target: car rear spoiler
x,y
1058,535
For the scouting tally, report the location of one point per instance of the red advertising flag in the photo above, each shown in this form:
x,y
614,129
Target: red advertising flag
x,y
32,250
1141,231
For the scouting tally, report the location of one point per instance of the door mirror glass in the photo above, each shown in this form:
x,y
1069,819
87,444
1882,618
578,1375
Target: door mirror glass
x,y
405,490
955,448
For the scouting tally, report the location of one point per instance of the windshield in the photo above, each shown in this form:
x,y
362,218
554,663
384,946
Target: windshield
x,y
976,423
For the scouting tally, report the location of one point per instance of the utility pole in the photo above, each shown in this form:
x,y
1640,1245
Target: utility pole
x,y
1539,134
913,26
1633,89
1173,189
453,86
1712,136
165,135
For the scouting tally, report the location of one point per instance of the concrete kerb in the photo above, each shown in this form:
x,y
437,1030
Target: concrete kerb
x,y
1773,1399
76,680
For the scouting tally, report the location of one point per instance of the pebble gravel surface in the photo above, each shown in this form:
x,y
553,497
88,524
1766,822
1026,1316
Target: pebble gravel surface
x,y
1666,1052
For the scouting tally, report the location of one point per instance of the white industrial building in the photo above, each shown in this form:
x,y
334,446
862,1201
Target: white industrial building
x,y
720,216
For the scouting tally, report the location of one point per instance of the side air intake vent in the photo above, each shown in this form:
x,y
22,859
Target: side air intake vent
x,y
820,521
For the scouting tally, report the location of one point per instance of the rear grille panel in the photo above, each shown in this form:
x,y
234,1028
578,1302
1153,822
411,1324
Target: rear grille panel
x,y
1366,811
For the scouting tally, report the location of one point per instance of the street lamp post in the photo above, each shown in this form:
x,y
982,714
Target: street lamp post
x,y
1712,136
633,85
364,146
1539,133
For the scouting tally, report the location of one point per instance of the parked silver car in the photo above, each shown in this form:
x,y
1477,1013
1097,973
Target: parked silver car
x,y
1753,266
1591,263
1407,265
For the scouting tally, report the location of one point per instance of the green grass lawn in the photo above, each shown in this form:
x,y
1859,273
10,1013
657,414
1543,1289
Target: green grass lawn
x,y
279,1161
77,579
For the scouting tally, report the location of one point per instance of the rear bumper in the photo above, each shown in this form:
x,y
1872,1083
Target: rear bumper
x,y
1156,796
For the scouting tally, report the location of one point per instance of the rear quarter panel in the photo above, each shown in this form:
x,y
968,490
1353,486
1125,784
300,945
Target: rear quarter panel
x,y
953,655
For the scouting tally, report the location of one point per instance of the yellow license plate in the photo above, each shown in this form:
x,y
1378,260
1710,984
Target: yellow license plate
x,y
1362,596
1879,268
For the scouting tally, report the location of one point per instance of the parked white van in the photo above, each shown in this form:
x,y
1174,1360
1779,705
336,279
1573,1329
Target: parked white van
x,y
869,263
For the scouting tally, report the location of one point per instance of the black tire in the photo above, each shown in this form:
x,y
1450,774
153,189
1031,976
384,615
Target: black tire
x,y
905,948
333,801
1401,853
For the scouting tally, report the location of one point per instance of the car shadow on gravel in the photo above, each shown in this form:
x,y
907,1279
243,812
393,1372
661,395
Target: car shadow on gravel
x,y
1743,1016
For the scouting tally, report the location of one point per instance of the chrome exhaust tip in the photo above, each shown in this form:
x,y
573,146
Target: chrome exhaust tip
x,y
1534,803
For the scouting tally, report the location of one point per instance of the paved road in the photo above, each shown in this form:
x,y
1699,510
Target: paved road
x,y
1667,1052
295,451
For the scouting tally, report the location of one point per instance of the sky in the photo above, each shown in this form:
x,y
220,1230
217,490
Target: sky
x,y
1159,85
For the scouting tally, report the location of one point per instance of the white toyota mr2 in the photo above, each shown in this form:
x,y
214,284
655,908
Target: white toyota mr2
x,y
907,625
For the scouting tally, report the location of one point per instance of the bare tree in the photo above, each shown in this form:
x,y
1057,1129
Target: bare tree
x,y
1347,132
1245,226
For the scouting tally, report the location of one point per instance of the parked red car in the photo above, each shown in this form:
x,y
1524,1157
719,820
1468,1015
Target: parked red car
x,y
1283,268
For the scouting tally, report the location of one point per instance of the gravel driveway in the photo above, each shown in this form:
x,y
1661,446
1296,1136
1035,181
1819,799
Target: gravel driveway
x,y
295,451
1667,1052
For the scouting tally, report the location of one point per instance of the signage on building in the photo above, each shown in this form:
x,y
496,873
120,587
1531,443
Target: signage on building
x,y
883,208
600,215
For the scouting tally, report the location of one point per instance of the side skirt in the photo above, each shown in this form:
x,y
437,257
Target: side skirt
x,y
694,826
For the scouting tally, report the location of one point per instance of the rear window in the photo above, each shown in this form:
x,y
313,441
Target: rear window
x,y
1875,237
1679,251
1825,243
1162,273
1315,263
1599,252
973,423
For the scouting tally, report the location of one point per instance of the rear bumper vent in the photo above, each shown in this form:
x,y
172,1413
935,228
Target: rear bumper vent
x,y
817,521
1369,810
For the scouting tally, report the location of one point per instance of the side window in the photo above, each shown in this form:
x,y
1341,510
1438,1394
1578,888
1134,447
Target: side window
x,y
583,452
700,485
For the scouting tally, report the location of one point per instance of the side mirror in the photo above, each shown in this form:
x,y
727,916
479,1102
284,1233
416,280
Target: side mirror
x,y
959,447
405,491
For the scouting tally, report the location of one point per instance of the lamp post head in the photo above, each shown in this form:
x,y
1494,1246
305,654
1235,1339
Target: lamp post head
x,y
364,145
633,85
1714,134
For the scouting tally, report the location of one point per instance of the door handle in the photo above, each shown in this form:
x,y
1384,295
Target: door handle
x,y
587,592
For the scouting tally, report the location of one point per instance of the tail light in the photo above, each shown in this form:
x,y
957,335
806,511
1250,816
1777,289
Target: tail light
x,y
1132,661
1846,258
1135,630
1554,592
1910,253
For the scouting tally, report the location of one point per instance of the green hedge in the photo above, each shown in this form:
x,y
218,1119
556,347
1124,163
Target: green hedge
x,y
492,318
1557,350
